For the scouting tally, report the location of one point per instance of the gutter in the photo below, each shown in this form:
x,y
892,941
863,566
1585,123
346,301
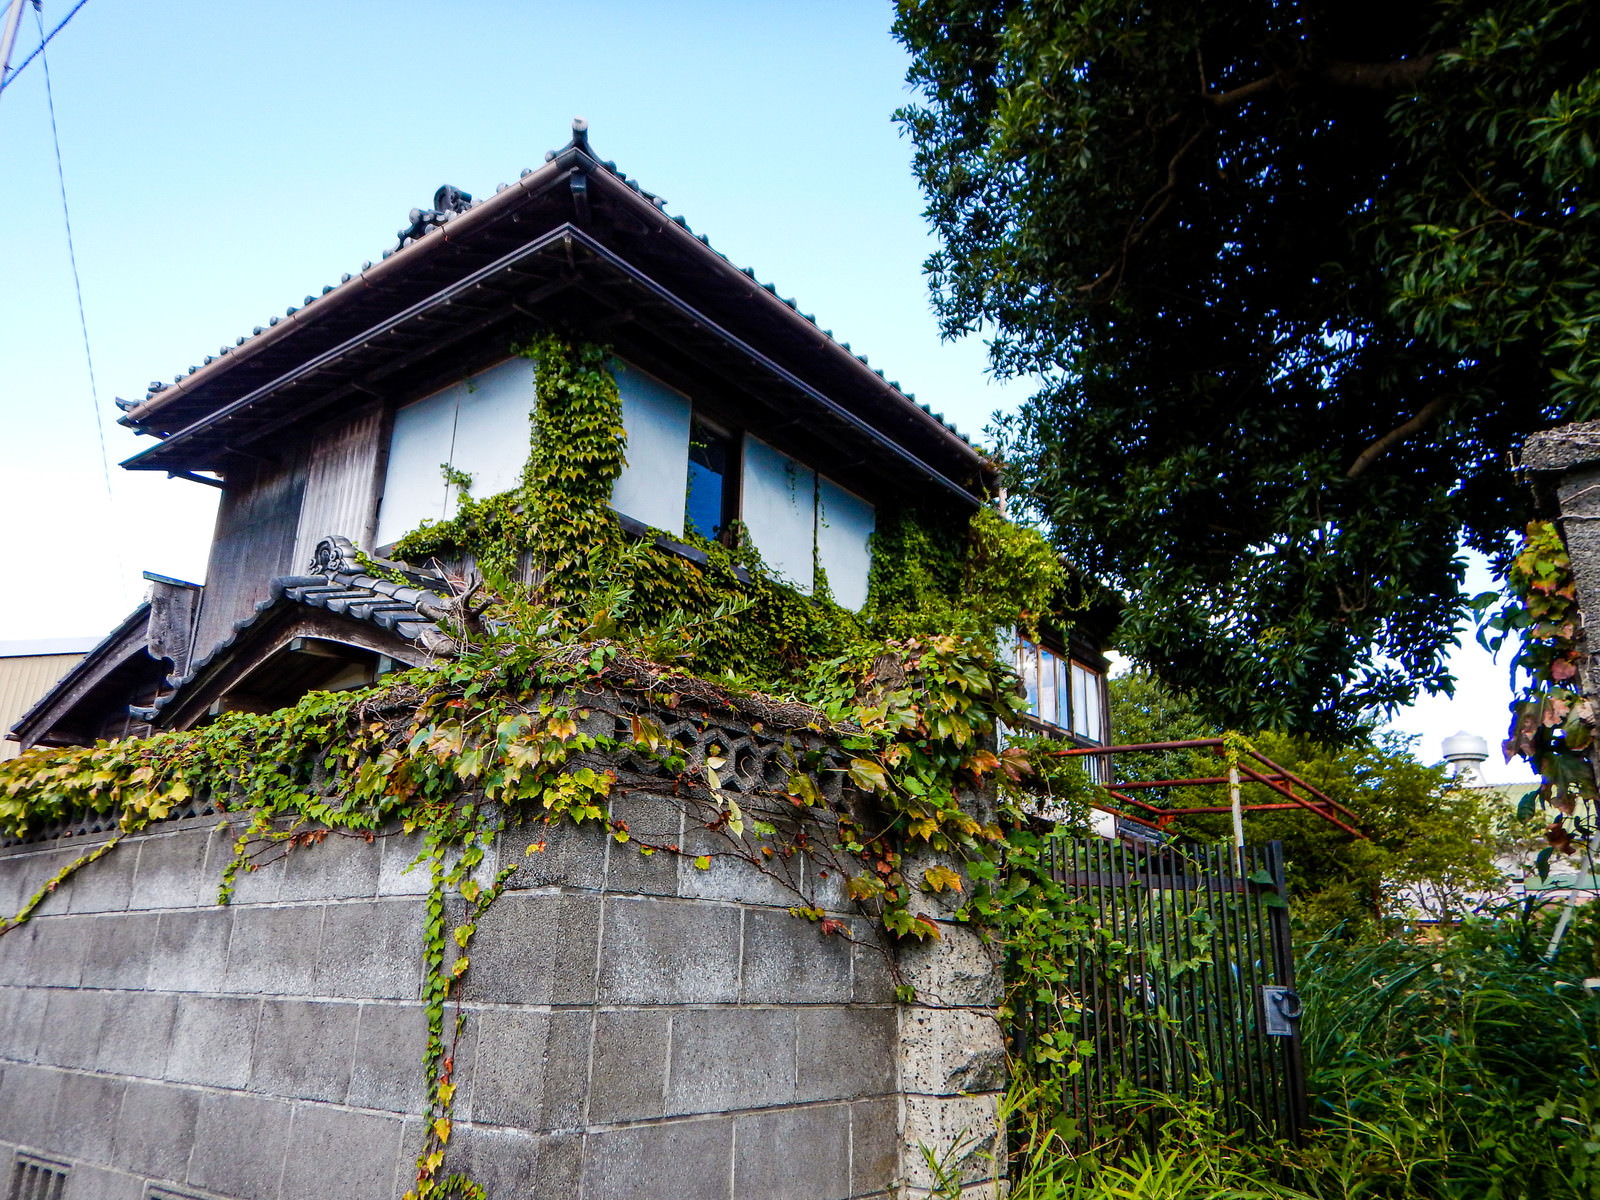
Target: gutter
x,y
754,289
574,155
374,276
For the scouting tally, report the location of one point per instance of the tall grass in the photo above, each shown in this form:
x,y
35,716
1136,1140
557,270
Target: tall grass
x,y
1464,1069
1452,1070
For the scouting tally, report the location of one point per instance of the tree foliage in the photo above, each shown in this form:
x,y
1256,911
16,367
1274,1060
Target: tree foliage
x,y
1295,278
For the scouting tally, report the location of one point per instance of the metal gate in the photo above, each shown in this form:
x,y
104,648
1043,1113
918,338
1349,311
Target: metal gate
x,y
1185,986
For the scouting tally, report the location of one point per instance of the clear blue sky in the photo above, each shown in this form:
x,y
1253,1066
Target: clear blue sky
x,y
224,160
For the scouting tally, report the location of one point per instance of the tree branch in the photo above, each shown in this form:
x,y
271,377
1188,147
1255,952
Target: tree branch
x,y
1382,77
1398,434
1393,76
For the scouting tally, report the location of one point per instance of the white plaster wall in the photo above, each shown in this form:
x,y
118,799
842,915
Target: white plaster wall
x,y
492,428
480,425
778,505
844,542
413,488
651,487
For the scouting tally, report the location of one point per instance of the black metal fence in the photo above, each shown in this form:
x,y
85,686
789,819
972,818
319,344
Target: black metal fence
x,y
1185,985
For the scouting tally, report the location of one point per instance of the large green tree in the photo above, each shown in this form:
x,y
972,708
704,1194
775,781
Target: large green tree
x,y
1295,278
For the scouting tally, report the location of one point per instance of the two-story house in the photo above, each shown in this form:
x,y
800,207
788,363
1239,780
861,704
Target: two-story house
x,y
326,428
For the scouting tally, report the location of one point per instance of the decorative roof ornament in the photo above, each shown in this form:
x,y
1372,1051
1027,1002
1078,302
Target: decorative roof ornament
x,y
448,203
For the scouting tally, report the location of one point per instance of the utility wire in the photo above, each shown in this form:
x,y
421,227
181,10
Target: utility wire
x,y
44,41
72,257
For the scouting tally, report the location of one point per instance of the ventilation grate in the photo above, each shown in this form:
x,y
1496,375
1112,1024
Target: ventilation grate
x,y
36,1179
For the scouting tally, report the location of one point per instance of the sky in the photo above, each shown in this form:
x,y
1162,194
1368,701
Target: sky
x,y
223,161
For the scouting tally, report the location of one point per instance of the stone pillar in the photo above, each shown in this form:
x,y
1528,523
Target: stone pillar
x,y
1564,467
952,1058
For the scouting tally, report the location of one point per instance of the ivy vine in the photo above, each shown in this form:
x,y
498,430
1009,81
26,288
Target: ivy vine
x,y
889,719
1552,725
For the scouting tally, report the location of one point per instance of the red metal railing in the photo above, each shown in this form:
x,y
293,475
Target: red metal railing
x,y
1254,767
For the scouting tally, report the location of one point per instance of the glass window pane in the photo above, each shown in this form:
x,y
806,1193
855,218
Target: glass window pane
x,y
1086,702
1095,700
708,470
1080,703
1064,692
1047,687
1028,668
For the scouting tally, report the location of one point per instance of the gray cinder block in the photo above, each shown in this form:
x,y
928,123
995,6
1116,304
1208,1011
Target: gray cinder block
x,y
334,1152
274,950
70,1035
171,871
387,1068
629,1078
535,949
338,868
531,1068
210,1039
372,950
655,822
794,1154
239,1145
574,856
731,1058
105,884
97,1183
155,1129
686,1160
514,1165
119,952
21,1020
51,950
28,1103
669,952
788,960
192,949
85,1122
874,1146
868,1069
303,1049
137,1030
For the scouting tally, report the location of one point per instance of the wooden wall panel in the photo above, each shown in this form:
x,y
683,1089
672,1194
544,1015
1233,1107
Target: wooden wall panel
x,y
341,483
257,523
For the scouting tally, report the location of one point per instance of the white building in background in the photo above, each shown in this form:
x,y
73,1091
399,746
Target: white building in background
x,y
1567,877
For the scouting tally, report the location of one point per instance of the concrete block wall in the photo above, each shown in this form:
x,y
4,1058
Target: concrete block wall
x,y
636,1027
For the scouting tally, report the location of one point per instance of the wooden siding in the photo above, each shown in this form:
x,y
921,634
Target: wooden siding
x,y
254,541
24,679
341,483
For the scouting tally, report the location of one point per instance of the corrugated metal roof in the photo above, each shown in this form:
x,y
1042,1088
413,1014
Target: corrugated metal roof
x,y
38,646
23,680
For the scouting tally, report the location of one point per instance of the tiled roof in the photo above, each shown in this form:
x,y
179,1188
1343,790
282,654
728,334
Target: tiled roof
x,y
434,220
411,609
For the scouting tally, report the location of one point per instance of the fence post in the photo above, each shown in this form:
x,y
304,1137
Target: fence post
x,y
1298,1117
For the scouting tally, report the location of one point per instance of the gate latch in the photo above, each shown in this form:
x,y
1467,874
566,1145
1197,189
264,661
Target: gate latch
x,y
1283,1009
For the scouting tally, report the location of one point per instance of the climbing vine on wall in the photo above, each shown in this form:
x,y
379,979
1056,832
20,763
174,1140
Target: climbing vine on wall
x,y
1552,725
889,718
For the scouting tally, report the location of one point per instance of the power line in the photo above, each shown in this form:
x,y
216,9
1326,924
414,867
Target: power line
x,y
72,257
43,42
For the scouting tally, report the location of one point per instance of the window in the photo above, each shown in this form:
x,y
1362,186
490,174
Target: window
x,y
709,502
1062,691
687,474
